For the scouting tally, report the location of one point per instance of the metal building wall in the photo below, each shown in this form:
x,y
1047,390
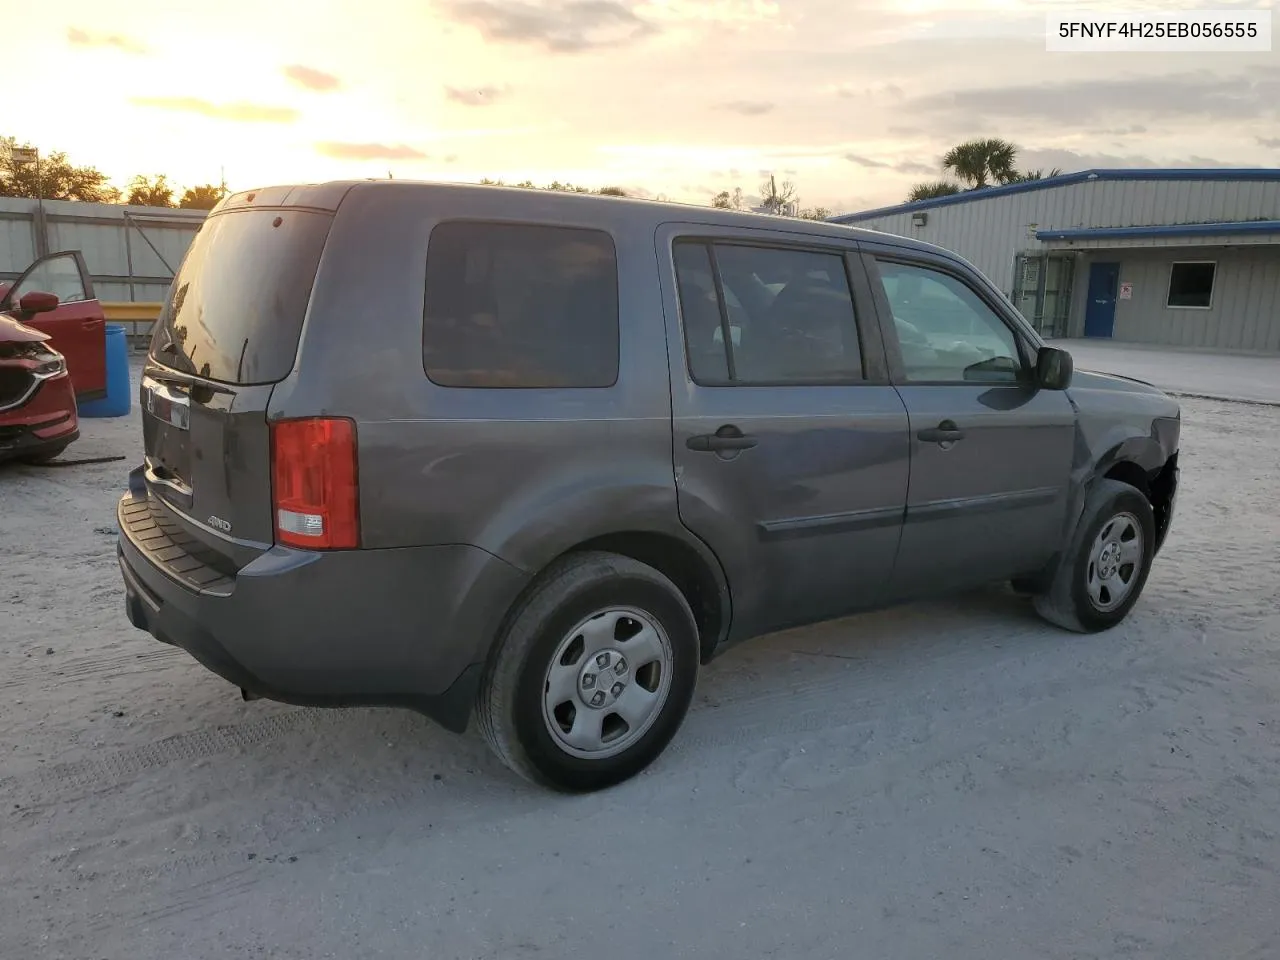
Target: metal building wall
x,y
1244,315
99,231
990,232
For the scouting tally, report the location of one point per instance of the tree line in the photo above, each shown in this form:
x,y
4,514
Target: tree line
x,y
775,198
57,178
979,163
972,165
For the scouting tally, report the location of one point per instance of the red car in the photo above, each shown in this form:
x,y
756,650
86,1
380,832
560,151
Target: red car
x,y
37,402
76,325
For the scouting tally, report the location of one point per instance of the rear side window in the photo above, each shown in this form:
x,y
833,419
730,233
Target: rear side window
x,y
236,307
515,305
766,315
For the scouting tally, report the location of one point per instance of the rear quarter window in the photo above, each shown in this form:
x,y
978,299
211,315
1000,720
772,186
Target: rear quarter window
x,y
521,306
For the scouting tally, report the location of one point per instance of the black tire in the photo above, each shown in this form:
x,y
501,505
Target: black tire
x,y
45,455
509,707
1067,602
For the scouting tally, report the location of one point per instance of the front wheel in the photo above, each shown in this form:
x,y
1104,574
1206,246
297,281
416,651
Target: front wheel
x,y
1103,571
593,675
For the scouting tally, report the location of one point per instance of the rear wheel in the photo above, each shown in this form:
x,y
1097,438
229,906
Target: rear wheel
x,y
1103,572
593,675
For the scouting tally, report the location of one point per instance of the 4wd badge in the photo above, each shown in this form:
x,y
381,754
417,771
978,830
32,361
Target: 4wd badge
x,y
219,524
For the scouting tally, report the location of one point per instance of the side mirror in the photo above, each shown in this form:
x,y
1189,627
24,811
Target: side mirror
x,y
37,302
1054,367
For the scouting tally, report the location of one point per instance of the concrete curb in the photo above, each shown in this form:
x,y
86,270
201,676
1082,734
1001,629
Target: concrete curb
x,y
1220,398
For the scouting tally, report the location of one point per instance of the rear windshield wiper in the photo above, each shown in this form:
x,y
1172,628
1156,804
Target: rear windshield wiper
x,y
169,375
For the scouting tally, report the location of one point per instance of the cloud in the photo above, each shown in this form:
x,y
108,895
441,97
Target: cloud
x,y
240,111
1069,160
369,151
311,78
849,91
1096,100
562,26
901,166
475,96
1271,143
1132,129
748,108
82,38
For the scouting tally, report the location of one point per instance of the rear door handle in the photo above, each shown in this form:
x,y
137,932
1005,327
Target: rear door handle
x,y
725,439
945,432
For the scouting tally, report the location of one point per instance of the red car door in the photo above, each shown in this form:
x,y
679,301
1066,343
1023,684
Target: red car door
x,y
77,328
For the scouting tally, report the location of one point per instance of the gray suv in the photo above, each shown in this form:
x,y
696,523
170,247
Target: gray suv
x,y
542,455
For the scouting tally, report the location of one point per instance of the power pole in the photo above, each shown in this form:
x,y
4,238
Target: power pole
x,y
32,155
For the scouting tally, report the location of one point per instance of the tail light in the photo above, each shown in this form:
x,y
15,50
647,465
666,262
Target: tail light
x,y
314,487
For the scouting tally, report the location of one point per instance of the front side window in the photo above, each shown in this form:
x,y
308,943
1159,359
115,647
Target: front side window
x,y
766,315
946,331
1191,285
515,305
59,275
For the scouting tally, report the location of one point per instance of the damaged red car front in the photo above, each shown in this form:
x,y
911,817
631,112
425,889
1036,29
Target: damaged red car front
x,y
37,402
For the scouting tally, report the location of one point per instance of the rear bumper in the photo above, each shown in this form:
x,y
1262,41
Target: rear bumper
x,y
406,627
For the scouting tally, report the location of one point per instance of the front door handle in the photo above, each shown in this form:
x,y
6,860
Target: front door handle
x,y
945,432
726,439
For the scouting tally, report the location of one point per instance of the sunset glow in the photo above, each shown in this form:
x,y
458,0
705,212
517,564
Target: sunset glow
x,y
854,101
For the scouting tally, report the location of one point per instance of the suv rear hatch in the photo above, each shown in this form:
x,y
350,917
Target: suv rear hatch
x,y
228,333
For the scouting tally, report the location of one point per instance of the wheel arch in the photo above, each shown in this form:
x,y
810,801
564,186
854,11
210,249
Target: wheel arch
x,y
694,569
683,559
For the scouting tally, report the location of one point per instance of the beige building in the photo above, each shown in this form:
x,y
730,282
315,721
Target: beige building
x,y
1177,257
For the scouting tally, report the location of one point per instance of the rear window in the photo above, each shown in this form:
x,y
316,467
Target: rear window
x,y
236,307
514,305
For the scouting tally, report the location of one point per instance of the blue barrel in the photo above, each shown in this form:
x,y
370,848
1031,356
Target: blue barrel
x,y
119,398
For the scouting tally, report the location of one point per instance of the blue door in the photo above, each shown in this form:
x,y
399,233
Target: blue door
x,y
1100,310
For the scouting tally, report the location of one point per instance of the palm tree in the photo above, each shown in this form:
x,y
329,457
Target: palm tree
x,y
1035,175
933,190
982,161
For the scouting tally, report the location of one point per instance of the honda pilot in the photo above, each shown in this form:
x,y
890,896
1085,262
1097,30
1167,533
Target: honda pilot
x,y
539,456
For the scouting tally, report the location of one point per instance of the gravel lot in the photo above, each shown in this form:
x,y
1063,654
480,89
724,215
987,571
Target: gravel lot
x,y
954,779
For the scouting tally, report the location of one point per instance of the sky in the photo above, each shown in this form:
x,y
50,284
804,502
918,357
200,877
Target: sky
x,y
852,100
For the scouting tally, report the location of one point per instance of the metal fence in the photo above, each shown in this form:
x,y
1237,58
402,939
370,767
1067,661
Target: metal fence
x,y
131,252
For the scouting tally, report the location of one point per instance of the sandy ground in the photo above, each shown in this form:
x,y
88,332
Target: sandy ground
x,y
954,779
1222,376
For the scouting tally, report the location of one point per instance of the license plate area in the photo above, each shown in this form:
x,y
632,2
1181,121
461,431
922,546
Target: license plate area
x,y
166,430
166,404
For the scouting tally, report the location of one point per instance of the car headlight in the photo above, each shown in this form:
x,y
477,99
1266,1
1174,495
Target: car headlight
x,y
46,361
30,350
52,366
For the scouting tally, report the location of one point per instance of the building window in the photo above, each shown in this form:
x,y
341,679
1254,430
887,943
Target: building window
x,y
1191,285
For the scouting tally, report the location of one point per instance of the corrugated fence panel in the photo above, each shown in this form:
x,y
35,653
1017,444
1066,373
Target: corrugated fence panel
x,y
119,292
17,245
98,230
